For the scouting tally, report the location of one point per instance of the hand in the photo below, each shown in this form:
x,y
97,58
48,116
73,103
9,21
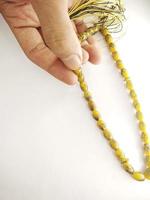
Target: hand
x,y
48,37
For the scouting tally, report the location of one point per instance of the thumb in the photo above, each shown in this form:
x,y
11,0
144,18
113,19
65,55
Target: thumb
x,y
58,31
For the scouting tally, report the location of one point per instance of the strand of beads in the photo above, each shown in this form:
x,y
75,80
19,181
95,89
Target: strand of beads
x,y
106,133
136,104
139,176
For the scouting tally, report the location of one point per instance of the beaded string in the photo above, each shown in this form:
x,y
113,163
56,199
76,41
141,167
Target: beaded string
x,y
137,175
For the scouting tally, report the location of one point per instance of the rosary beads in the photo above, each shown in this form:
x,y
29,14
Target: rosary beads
x,y
137,175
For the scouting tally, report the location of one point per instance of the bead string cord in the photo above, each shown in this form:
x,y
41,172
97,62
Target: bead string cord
x,y
137,175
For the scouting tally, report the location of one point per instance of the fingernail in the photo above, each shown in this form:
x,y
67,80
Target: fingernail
x,y
73,62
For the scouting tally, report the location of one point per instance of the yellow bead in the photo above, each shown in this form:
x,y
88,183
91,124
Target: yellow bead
x,y
133,94
83,86
119,152
112,47
124,73
81,78
87,34
147,161
91,105
147,150
147,173
107,134
96,28
147,153
137,105
105,31
91,31
115,56
108,36
145,137
101,124
146,147
123,160
87,95
108,39
142,126
129,84
96,114
139,115
120,155
119,64
83,37
78,72
138,176
113,143
128,167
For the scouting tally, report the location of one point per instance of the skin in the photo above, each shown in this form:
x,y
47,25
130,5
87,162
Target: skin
x,y
48,37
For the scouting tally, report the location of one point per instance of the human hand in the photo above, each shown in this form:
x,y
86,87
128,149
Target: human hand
x,y
48,37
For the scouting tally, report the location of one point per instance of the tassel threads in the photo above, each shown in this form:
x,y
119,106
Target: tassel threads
x,y
105,13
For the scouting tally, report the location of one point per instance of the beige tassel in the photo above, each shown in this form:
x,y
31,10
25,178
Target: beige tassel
x,y
104,13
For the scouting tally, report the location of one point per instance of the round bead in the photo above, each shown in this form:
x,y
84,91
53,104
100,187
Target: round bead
x,y
147,150
104,31
147,173
91,31
146,147
78,72
119,64
120,155
142,126
138,176
108,39
101,124
97,28
112,47
107,134
107,36
137,105
81,78
124,73
123,160
133,94
91,105
129,85
87,34
83,86
83,37
147,153
139,115
147,161
145,137
128,167
96,114
113,143
87,95
115,56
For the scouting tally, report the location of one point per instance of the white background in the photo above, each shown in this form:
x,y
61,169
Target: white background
x,y
50,147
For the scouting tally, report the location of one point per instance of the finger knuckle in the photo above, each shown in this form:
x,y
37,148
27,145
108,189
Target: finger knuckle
x,y
35,52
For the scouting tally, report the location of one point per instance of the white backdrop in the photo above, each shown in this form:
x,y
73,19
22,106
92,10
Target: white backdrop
x,y
50,147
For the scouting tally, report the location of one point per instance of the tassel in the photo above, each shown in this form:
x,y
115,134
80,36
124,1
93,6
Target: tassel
x,y
103,13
